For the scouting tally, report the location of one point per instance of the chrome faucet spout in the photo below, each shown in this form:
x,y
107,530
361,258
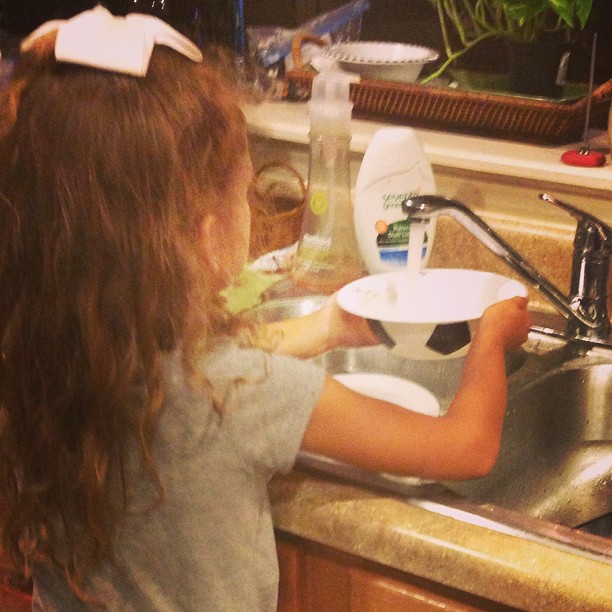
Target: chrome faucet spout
x,y
586,306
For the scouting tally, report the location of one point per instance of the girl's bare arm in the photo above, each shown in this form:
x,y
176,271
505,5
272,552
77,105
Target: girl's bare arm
x,y
464,443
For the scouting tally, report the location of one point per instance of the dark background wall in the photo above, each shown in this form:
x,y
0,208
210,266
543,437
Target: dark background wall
x,y
412,21
416,21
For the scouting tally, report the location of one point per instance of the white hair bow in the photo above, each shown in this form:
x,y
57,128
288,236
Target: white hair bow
x,y
98,39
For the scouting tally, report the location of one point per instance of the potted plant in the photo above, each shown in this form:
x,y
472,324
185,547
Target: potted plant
x,y
536,23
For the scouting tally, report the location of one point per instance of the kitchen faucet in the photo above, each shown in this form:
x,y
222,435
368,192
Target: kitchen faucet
x,y
586,307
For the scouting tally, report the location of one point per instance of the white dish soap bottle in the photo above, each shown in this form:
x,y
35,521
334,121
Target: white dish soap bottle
x,y
393,169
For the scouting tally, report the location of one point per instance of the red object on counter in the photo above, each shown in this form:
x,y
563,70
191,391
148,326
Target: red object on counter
x,y
587,159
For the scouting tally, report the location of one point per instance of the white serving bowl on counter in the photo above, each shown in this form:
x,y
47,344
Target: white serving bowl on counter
x,y
431,315
388,61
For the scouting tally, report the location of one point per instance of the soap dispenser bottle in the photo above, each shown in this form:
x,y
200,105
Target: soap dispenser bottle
x,y
327,255
393,169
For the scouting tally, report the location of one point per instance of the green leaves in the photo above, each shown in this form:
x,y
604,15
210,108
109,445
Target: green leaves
x,y
466,23
523,11
568,12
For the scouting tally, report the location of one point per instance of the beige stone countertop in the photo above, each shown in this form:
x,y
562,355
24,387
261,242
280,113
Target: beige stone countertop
x,y
384,528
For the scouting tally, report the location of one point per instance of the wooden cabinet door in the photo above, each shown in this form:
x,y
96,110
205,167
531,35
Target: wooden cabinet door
x,y
373,593
316,578
325,584
288,565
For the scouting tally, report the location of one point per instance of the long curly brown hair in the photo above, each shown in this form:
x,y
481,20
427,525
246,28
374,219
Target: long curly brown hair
x,y
104,182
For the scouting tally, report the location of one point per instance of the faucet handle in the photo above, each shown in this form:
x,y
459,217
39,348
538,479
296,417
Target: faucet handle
x,y
603,229
590,274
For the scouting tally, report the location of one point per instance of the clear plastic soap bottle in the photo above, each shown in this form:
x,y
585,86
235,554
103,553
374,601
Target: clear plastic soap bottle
x,y
327,254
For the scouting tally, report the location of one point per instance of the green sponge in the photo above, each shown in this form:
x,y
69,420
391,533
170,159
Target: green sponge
x,y
248,289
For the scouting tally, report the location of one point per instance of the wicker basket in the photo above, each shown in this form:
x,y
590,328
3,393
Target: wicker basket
x,y
276,198
483,113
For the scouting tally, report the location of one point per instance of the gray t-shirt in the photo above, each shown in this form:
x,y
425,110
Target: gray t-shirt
x,y
209,546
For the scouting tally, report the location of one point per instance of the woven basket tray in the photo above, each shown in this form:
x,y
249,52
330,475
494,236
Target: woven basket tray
x,y
487,114
276,199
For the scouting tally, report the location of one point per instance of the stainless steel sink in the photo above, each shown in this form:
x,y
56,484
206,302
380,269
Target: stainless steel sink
x,y
556,457
554,472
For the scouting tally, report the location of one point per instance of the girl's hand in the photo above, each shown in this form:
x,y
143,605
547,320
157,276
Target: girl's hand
x,y
313,334
344,329
507,321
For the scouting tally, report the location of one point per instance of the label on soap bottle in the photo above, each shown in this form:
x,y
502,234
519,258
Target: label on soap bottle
x,y
392,241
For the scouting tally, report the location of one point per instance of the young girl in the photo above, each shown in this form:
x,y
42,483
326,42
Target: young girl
x,y
138,430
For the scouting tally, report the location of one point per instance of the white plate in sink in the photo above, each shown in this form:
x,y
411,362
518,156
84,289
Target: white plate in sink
x,y
394,389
